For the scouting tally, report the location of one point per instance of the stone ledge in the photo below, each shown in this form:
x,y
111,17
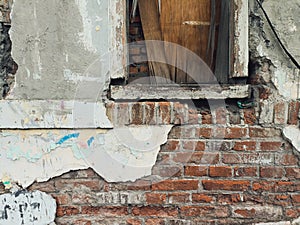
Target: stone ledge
x,y
144,92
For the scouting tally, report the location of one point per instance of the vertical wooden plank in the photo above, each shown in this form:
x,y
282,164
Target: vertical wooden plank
x,y
222,56
186,23
151,27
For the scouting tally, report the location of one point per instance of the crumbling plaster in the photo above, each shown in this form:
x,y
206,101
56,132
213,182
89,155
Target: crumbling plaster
x,y
65,59
120,154
264,47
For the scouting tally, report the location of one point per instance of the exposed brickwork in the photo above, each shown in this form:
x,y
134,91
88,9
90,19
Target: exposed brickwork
x,y
209,172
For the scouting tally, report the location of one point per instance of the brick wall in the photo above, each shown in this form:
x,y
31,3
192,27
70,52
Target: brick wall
x,y
218,166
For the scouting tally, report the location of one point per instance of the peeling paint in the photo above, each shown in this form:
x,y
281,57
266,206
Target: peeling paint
x,y
30,208
120,154
67,137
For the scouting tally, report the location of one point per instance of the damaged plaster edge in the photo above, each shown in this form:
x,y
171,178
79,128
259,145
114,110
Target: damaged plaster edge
x,y
140,162
117,155
36,114
292,134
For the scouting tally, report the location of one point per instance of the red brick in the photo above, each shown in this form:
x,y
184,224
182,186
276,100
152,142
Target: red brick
x,y
137,113
202,198
245,171
220,171
67,211
180,113
287,160
287,186
230,185
229,198
221,114
296,198
235,132
230,133
193,145
110,109
250,116
271,146
279,199
259,132
44,186
156,198
133,30
280,113
139,185
200,146
244,146
207,211
188,145
171,185
292,213
167,171
149,113
164,113
70,184
132,221
105,210
133,69
264,92
62,199
272,172
177,197
204,132
193,116
155,211
144,68
180,132
254,198
196,157
263,186
155,222
171,145
293,172
245,158
246,213
195,171
206,117
293,112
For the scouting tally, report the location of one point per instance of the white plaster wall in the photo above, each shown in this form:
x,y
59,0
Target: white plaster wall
x,y
64,48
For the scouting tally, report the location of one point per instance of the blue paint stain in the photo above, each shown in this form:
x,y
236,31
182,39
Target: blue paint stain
x,y
90,141
67,137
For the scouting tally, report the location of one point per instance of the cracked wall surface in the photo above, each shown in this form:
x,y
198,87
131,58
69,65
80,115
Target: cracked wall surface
x,y
220,166
265,49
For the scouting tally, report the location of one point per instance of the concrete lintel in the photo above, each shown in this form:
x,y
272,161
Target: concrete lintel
x,y
135,92
26,114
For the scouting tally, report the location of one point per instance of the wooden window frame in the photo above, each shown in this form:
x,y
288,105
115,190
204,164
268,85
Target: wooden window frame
x,y
238,65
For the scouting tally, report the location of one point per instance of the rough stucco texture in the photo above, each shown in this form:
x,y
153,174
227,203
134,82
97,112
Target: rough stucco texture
x,y
264,45
59,48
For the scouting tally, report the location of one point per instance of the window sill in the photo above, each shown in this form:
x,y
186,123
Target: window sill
x,y
144,92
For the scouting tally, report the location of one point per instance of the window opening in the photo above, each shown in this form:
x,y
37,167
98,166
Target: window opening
x,y
202,26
